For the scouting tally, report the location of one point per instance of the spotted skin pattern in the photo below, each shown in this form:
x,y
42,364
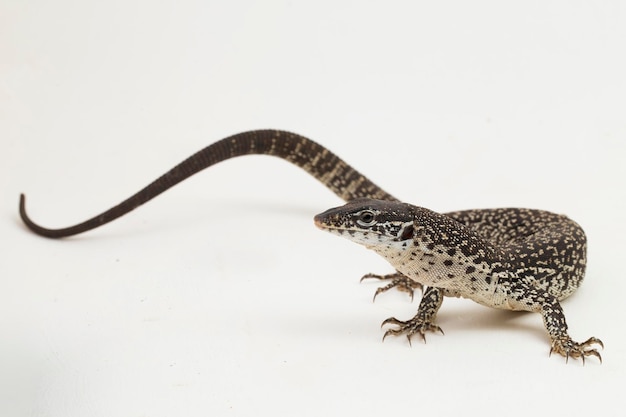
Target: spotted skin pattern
x,y
513,259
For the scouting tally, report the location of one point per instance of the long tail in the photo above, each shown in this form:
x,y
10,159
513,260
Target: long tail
x,y
318,161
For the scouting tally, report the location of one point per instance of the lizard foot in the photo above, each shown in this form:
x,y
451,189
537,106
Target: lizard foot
x,y
416,325
398,281
567,347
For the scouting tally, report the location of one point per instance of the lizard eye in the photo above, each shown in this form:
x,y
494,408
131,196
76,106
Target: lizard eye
x,y
366,218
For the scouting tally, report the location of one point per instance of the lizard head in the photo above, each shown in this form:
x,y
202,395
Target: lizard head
x,y
370,222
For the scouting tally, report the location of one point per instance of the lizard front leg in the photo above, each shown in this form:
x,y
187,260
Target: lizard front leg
x,y
423,320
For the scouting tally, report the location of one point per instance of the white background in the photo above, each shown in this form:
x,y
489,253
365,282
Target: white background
x,y
220,297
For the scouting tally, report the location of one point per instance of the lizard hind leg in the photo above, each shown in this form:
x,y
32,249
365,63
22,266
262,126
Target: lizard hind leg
x,y
540,301
398,281
423,321
561,342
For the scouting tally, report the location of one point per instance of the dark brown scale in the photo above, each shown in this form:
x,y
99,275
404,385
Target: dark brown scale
x,y
318,161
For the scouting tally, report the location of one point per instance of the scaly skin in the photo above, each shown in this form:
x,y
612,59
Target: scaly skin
x,y
504,258
513,259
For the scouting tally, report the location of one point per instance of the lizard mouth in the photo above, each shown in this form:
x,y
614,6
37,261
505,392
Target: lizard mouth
x,y
320,223
328,220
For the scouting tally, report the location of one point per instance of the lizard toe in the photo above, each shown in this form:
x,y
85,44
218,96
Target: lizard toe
x,y
410,328
399,281
566,347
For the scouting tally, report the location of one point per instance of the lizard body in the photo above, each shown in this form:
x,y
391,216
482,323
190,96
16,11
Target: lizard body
x,y
534,262
516,259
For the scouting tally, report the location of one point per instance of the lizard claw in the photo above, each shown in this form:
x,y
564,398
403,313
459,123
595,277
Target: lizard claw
x,y
398,281
410,328
565,346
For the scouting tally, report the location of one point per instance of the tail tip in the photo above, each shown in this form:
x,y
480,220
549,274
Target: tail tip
x,y
22,203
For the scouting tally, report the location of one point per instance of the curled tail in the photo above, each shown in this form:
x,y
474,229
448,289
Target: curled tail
x,y
318,161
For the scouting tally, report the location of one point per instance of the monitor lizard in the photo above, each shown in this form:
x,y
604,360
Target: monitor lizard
x,y
506,258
